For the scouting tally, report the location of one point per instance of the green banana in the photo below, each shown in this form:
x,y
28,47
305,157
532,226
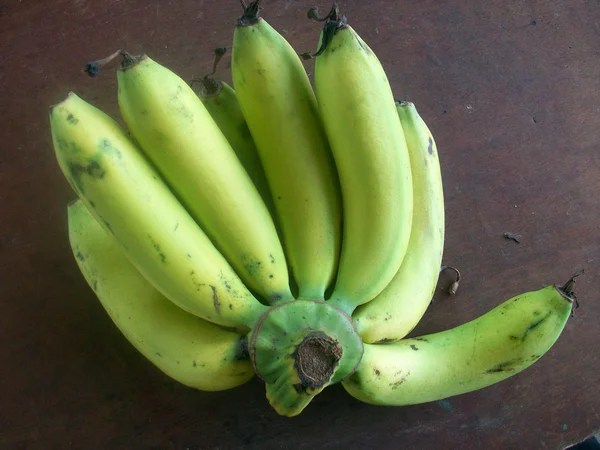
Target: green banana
x,y
399,307
188,349
280,108
369,147
491,348
221,102
177,133
129,198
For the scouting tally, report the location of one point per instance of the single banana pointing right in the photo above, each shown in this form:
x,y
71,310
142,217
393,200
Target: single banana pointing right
x,y
495,346
130,199
281,110
399,307
190,350
369,147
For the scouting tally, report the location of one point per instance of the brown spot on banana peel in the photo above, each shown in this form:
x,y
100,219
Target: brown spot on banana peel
x,y
397,384
384,341
506,366
216,301
430,147
72,119
414,347
535,325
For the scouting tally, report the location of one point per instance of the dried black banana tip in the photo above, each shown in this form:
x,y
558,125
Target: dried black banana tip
x,y
568,290
91,68
251,13
454,286
332,15
220,51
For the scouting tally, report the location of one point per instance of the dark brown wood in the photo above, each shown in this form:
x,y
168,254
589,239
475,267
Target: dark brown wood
x,y
510,90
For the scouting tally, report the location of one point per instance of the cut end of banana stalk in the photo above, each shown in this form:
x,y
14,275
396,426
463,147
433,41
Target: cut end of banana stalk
x,y
301,347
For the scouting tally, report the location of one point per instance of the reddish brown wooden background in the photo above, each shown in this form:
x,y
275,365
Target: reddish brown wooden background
x,y
511,91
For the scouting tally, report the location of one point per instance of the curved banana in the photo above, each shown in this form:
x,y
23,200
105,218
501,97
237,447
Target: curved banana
x,y
280,108
495,346
177,133
222,104
129,198
399,307
190,350
368,144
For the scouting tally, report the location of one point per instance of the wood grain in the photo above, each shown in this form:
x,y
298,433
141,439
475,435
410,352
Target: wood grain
x,y
510,90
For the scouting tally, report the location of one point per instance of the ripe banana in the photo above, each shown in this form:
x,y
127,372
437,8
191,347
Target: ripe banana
x,y
279,105
177,133
399,307
190,350
495,346
130,200
368,144
222,104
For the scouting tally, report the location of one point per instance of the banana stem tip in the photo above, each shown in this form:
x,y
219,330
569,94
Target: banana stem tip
x,y
251,13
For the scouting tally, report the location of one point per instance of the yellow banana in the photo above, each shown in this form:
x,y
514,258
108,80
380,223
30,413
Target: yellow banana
x,y
368,144
129,198
177,133
399,307
190,350
222,104
281,111
495,346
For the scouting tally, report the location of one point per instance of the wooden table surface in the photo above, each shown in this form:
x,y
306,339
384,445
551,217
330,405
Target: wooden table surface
x,y
510,90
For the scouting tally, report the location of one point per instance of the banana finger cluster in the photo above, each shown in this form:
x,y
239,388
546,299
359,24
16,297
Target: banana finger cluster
x,y
280,230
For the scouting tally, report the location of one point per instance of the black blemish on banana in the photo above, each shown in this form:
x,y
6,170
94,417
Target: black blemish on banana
x,y
430,147
251,264
396,384
384,341
162,256
216,301
535,325
506,366
107,225
72,119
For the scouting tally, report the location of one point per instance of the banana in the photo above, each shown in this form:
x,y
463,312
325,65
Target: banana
x,y
129,198
399,307
221,102
178,135
370,152
491,348
280,108
190,350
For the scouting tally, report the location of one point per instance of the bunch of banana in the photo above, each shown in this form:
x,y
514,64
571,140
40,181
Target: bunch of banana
x,y
279,231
